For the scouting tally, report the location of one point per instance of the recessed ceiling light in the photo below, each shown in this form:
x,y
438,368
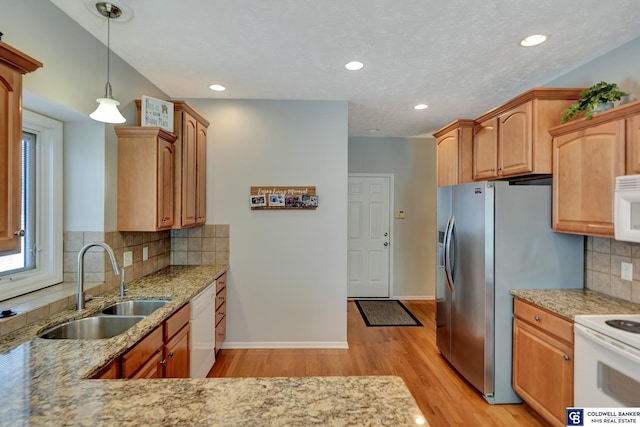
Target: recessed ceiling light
x,y
533,40
354,66
420,106
217,88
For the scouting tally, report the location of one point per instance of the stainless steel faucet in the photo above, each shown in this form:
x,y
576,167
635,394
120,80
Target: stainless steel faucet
x,y
116,271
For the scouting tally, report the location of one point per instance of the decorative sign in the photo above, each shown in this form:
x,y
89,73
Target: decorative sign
x,y
283,197
156,112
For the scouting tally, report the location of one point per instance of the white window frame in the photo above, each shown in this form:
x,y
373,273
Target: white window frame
x,y
49,220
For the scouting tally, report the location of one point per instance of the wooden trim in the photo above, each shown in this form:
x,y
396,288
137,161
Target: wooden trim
x,y
457,124
144,131
535,93
621,112
18,60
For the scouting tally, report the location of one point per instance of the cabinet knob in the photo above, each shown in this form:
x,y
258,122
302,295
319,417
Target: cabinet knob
x,y
220,335
222,313
170,354
163,362
565,357
537,318
19,233
164,219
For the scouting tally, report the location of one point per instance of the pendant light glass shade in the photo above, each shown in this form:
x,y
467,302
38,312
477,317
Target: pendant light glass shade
x,y
107,110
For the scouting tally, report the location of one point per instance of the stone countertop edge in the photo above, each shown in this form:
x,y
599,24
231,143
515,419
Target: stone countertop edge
x,y
571,302
45,382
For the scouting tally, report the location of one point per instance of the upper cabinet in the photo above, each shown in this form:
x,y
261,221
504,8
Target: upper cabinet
x,y
588,155
13,65
513,140
190,179
145,178
454,153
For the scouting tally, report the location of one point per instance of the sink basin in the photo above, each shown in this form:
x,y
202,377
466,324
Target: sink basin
x,y
92,328
134,308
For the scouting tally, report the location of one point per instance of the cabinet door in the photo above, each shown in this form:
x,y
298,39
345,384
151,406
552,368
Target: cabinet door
x,y
176,355
542,372
10,158
111,372
633,145
137,357
189,170
515,141
447,154
221,333
585,164
201,174
165,184
151,369
485,145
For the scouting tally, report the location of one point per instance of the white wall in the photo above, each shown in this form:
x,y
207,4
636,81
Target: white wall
x,y
413,163
287,282
621,66
65,88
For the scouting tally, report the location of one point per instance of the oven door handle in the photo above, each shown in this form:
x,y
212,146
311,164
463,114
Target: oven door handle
x,y
619,348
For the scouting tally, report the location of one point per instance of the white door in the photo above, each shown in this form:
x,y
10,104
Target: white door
x,y
369,241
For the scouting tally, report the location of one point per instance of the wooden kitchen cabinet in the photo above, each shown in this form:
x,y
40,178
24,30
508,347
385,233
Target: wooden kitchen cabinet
x,y
543,361
513,140
145,178
110,372
190,171
221,311
454,153
191,166
13,65
163,353
633,145
588,155
485,150
176,344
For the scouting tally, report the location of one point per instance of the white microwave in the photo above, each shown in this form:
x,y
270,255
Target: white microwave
x,y
627,208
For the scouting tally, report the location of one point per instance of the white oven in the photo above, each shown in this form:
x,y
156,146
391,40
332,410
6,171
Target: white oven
x,y
607,361
627,208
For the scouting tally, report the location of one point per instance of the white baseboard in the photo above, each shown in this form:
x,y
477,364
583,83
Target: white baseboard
x,y
415,297
284,344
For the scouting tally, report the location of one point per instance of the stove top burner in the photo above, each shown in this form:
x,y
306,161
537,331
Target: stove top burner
x,y
625,325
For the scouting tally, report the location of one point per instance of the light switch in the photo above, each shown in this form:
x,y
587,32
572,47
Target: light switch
x,y
128,259
626,271
145,253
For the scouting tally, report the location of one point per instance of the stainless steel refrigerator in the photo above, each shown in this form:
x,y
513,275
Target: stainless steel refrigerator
x,y
493,237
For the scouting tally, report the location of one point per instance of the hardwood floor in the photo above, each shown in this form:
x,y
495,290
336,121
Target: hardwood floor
x,y
409,352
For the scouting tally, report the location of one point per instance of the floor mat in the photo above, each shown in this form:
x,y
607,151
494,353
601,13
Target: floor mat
x,y
386,313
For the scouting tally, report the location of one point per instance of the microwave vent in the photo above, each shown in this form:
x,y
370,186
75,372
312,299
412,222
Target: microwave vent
x,y
628,182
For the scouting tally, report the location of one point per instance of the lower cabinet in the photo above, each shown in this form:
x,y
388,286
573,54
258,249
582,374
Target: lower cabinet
x,y
543,361
221,310
163,353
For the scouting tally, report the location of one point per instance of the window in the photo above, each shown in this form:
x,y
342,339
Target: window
x,y
39,262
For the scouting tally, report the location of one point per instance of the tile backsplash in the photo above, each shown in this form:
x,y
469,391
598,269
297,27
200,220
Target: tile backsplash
x,y
206,245
602,261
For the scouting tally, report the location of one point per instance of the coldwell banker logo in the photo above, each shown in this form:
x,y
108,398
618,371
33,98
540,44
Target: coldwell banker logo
x,y
575,417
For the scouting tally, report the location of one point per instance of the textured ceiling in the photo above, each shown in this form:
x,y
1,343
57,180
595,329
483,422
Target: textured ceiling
x,y
461,57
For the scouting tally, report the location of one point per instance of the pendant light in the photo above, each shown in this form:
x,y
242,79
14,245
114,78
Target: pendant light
x,y
107,110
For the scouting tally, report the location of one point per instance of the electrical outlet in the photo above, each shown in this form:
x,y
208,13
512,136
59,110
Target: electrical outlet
x,y
128,259
145,253
626,271
400,214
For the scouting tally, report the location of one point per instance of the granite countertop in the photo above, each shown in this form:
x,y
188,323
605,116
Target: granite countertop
x,y
570,302
44,382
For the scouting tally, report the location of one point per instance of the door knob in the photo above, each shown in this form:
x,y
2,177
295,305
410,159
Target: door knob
x,y
386,243
386,234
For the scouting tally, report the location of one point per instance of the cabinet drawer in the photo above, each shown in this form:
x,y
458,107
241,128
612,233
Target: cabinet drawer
x,y
177,321
221,297
220,312
221,282
544,320
221,333
151,369
135,358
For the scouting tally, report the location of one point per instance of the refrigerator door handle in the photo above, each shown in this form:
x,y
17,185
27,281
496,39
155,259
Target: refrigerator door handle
x,y
447,253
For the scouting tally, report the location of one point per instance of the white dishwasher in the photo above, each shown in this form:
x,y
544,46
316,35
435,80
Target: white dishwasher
x,y
203,332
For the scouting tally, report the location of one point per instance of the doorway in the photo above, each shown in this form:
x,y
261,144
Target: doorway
x,y
369,248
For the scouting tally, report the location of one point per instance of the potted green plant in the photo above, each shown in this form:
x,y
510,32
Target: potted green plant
x,y
598,97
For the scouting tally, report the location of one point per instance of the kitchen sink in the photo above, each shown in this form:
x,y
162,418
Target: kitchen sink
x,y
134,308
92,328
